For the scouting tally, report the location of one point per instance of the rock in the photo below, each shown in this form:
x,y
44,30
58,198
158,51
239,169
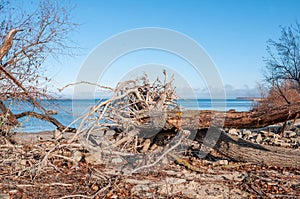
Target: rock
x,y
23,162
110,132
276,136
254,134
134,181
287,140
266,133
220,162
4,196
283,144
295,140
57,135
297,131
93,158
289,134
77,155
259,139
247,132
116,160
233,132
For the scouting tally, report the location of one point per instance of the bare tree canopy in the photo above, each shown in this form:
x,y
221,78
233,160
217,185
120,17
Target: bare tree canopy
x,y
27,39
283,62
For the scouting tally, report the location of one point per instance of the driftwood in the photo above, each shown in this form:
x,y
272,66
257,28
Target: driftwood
x,y
256,118
140,112
48,118
240,150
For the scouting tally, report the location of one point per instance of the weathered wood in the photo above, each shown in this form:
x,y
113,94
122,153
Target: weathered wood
x,y
5,112
231,119
48,118
241,150
235,148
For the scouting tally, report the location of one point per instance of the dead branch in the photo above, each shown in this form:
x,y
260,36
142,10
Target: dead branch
x,y
48,118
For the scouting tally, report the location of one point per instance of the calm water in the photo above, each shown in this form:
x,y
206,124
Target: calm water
x,y
69,110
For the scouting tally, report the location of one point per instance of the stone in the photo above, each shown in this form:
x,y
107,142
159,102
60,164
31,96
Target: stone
x,y
134,181
254,134
4,196
283,144
285,140
259,139
297,131
247,132
220,162
295,140
289,134
77,155
57,134
116,160
276,136
93,158
275,141
233,132
23,162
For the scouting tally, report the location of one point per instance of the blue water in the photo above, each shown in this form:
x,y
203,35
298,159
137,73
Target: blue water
x,y
69,110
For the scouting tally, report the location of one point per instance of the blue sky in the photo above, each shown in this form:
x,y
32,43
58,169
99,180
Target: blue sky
x,y
232,32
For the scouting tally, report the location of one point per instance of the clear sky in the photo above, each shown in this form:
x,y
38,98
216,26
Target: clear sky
x,y
232,32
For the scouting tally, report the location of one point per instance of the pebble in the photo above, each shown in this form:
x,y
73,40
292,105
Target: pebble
x,y
289,134
259,139
263,132
57,134
247,132
283,144
233,132
93,158
23,162
220,162
116,160
4,196
295,140
77,155
270,136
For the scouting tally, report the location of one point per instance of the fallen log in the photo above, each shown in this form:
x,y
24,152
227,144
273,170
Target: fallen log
x,y
241,150
253,119
235,148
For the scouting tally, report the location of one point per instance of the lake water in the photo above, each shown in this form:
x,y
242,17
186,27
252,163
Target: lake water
x,y
68,110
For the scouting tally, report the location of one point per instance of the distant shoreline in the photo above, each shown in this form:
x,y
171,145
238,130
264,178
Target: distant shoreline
x,y
256,99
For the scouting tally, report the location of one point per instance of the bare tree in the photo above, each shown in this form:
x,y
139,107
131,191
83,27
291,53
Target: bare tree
x,y
27,40
283,63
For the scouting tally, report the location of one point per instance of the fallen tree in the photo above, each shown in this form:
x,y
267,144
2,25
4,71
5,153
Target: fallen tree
x,y
142,114
243,151
255,118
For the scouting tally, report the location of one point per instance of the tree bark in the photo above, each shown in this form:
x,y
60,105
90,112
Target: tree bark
x,y
5,112
240,150
231,119
48,118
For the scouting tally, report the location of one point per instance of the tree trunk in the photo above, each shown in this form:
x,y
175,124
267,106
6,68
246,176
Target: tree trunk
x,y
231,119
240,150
